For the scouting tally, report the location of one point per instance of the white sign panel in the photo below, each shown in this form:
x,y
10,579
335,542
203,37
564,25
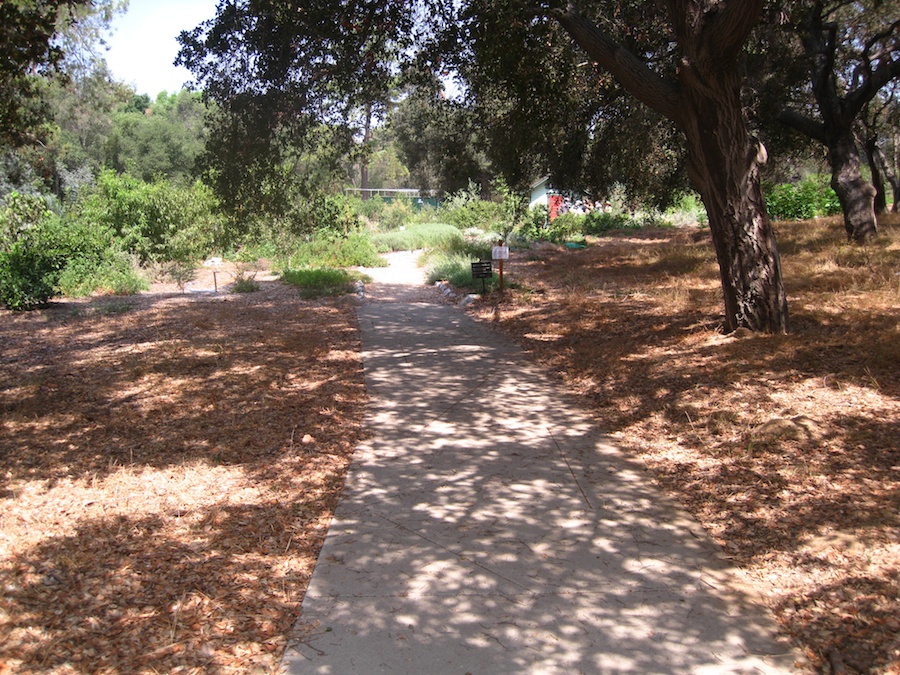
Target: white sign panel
x,y
500,253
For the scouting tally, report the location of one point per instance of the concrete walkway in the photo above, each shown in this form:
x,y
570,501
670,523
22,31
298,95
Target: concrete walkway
x,y
487,527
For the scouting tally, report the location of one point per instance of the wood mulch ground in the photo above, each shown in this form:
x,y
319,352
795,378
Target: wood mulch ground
x,y
785,447
168,469
169,463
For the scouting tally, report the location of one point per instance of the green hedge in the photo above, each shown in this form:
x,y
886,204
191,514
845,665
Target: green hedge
x,y
810,198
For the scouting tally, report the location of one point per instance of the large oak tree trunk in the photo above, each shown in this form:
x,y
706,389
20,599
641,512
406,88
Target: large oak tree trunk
x,y
856,195
705,103
724,161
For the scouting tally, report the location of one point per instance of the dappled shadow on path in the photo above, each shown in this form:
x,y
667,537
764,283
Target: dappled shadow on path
x,y
488,527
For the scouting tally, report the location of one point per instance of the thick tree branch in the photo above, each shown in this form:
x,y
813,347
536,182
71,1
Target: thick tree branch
x,y
639,80
731,25
803,124
872,83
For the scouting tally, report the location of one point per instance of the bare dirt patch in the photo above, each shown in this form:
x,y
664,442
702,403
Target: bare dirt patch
x,y
168,467
786,448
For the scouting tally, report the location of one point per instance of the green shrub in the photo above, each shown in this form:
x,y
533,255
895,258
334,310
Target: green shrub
x,y
466,210
245,285
370,209
396,213
332,249
19,213
456,269
537,227
810,198
321,212
688,210
600,222
27,276
319,281
113,274
155,221
415,237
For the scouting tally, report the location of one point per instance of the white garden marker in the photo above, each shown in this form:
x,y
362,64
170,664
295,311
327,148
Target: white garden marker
x,y
215,263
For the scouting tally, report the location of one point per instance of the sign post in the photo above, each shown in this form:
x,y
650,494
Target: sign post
x,y
215,263
500,253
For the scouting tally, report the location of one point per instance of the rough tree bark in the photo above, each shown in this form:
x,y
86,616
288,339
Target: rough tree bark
x,y
856,195
892,178
835,131
871,146
724,159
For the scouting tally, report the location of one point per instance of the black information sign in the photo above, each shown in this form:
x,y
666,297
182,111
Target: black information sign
x,y
483,269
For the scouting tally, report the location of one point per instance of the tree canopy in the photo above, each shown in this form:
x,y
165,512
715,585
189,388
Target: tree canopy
x,y
278,68
28,52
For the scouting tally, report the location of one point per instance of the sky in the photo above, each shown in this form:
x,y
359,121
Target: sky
x,y
143,44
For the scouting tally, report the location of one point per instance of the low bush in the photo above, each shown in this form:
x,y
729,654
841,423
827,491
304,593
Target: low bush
x,y
415,237
812,197
320,281
156,221
688,210
245,285
466,210
27,276
332,249
52,255
115,273
538,227
456,269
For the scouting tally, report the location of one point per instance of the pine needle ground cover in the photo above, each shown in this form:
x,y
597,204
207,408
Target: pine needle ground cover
x,y
168,469
785,447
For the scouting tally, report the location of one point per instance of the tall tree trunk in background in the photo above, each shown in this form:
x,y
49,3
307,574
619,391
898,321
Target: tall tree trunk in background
x,y
892,178
838,109
724,159
856,195
364,158
871,145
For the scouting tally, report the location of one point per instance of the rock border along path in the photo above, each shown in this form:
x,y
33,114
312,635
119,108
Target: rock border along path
x,y
487,527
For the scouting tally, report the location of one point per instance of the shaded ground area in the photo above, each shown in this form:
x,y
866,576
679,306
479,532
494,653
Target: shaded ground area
x,y
169,464
168,468
488,527
784,447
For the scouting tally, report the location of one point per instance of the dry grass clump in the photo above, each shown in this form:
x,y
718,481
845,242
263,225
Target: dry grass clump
x,y
784,446
167,475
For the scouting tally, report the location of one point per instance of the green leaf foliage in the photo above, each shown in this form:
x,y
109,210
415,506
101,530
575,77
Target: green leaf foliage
x,y
418,236
44,254
28,52
155,221
319,281
810,198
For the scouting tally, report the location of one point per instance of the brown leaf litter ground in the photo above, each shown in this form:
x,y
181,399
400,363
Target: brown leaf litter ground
x,y
168,469
169,464
785,447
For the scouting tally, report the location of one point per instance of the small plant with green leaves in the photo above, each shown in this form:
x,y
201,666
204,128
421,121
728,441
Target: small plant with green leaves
x,y
247,266
456,269
332,249
245,284
179,272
